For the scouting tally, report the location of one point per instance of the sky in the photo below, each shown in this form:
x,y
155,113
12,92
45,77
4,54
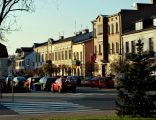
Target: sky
x,y
54,18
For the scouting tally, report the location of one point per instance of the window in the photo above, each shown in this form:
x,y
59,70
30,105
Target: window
x,y
81,56
127,47
94,33
95,49
113,48
52,56
74,55
56,56
77,56
70,54
62,55
108,48
49,56
108,29
36,56
42,57
151,45
46,57
39,58
28,62
112,28
59,56
117,28
23,64
100,50
66,55
117,47
100,29
154,22
138,25
133,46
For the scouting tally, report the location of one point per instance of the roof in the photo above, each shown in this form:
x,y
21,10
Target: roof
x,y
83,37
24,49
138,31
39,44
64,40
3,51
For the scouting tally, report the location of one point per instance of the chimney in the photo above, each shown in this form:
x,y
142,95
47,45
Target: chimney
x,y
85,31
61,37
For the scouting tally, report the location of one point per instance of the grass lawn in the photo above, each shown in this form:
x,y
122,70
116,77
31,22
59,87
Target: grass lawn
x,y
96,118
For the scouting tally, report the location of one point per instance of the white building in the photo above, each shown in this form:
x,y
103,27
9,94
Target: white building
x,y
145,30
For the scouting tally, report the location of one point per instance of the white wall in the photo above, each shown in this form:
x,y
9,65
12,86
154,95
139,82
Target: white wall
x,y
144,36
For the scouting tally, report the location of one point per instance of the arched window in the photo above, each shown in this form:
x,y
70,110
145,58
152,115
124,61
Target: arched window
x,y
113,48
112,28
117,28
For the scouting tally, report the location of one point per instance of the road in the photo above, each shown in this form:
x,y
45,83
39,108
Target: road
x,y
84,100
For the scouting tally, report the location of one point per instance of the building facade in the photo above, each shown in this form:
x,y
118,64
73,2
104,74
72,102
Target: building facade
x,y
25,60
82,50
112,27
145,30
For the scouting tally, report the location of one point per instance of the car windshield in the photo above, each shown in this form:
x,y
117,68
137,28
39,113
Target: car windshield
x,y
35,79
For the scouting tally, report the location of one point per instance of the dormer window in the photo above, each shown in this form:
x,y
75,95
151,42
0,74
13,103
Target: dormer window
x,y
154,22
139,25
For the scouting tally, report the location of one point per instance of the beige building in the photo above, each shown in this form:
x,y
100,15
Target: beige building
x,y
108,43
100,44
62,55
41,54
82,50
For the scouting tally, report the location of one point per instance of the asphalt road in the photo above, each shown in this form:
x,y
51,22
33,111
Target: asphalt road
x,y
85,99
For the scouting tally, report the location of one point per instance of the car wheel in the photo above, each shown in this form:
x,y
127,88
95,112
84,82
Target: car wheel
x,y
59,90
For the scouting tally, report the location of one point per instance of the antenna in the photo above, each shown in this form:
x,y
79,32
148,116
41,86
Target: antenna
x,y
75,27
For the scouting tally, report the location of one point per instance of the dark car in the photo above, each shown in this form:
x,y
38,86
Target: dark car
x,y
29,83
86,81
2,84
77,79
46,83
102,82
18,83
63,84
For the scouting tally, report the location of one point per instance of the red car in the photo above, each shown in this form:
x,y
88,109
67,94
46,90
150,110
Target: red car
x,y
63,84
102,82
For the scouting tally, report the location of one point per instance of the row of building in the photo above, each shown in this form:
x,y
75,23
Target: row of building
x,y
91,53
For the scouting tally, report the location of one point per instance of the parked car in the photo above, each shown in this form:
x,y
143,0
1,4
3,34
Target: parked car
x,y
18,83
86,81
2,84
46,83
63,84
77,79
102,82
29,83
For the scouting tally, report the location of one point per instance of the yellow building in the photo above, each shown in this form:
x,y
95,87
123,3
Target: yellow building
x,y
62,55
41,54
82,49
100,44
108,43
114,40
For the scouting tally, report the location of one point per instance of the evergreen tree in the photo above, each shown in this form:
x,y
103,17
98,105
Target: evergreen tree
x,y
133,98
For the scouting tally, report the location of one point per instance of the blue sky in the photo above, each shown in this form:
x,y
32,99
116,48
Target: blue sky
x,y
58,17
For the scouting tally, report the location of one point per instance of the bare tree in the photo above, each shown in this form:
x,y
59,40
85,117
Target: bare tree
x,y
8,13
